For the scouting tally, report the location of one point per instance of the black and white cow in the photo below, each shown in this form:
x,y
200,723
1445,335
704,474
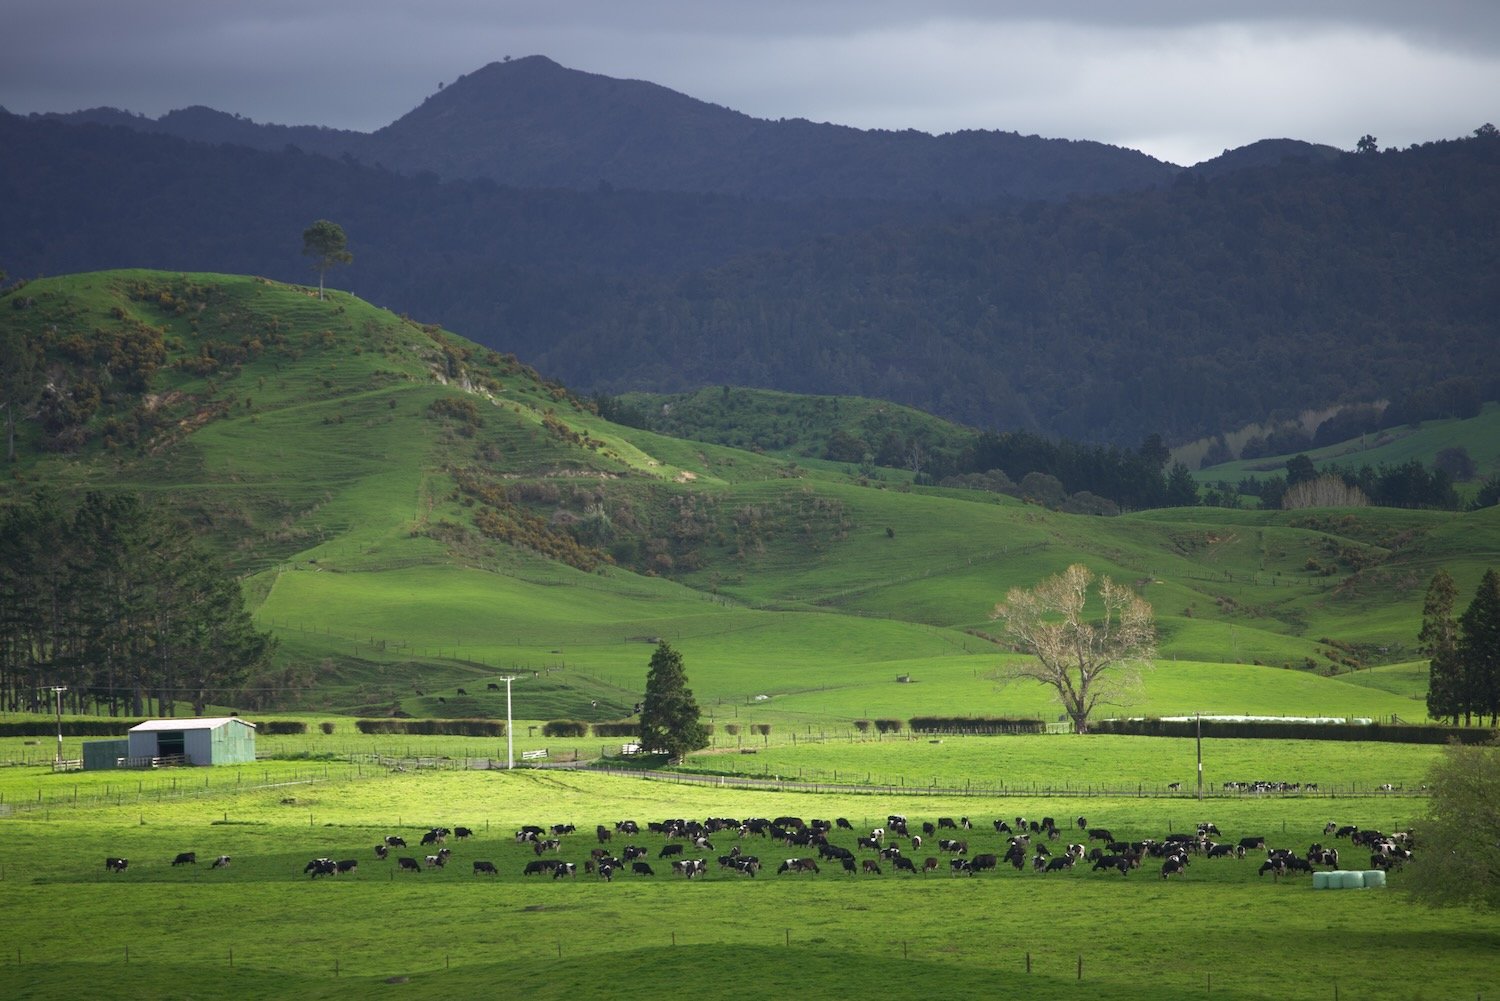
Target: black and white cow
x,y
116,864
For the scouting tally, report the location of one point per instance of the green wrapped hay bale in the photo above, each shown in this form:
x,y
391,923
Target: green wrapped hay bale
x,y
1351,880
1320,880
1374,877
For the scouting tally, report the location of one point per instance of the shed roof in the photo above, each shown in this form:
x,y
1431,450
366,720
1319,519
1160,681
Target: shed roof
x,y
191,723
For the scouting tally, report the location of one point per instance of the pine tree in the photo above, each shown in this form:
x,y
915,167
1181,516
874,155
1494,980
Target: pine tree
x,y
1479,650
669,714
1439,641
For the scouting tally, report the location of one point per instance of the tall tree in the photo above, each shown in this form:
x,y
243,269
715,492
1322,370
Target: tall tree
x,y
1439,642
669,714
1459,864
1088,654
327,245
1479,650
21,380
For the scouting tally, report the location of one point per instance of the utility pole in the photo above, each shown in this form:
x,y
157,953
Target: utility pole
x,y
510,740
1199,717
57,691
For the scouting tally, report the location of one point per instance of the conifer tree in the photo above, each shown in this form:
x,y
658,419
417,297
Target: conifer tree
x,y
1439,641
669,714
1479,651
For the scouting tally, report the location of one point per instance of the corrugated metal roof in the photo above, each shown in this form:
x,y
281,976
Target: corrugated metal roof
x,y
192,723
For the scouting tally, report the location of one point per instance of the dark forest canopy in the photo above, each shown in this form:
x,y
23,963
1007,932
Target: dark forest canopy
x,y
1187,310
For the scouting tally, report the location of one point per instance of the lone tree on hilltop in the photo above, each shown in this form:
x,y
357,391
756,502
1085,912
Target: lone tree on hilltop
x,y
327,245
669,714
1088,659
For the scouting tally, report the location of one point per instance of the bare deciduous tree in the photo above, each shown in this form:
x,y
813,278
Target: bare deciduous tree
x,y
1089,655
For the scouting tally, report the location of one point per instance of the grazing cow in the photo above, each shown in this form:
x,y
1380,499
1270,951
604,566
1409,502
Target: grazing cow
x,y
956,847
1174,866
436,836
1225,851
1208,829
959,865
116,864
1001,827
798,865
462,832
492,687
843,824
689,867
540,866
220,862
186,858
983,862
1101,834
668,850
435,861
1113,862
1059,864
603,833
849,867
929,864
947,822
481,866
1330,827
346,865
395,841
900,863
322,867
460,692
382,851
564,870
928,828
1347,831
869,844
1174,786
642,869
409,863
606,872
870,865
623,826
1253,844
530,832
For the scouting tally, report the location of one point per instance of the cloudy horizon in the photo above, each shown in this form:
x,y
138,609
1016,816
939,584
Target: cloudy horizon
x,y
1180,81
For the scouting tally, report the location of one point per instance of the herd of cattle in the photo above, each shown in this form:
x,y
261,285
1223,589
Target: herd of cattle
x,y
898,845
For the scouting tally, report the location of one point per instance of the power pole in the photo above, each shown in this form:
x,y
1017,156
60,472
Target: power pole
x,y
57,691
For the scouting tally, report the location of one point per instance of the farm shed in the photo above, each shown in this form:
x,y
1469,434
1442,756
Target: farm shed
x,y
223,740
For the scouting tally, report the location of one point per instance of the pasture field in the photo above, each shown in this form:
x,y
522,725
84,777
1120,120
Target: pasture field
x,y
260,928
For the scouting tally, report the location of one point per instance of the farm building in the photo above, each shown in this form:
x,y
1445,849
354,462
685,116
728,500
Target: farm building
x,y
224,740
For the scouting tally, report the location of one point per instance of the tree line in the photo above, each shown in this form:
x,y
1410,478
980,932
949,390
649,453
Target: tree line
x,y
1094,318
115,601
1463,650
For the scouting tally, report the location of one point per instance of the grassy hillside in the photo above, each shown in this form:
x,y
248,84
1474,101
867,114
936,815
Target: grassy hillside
x,y
414,514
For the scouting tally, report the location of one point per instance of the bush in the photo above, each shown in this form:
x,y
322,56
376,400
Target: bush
x,y
733,729
760,728
616,729
326,727
445,727
862,725
975,725
565,728
889,725
281,727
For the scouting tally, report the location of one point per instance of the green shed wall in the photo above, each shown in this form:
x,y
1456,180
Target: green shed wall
x,y
233,744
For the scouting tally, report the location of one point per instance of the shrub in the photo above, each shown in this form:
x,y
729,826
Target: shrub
x,y
733,729
625,729
565,728
862,725
889,725
760,728
326,727
975,725
446,727
281,727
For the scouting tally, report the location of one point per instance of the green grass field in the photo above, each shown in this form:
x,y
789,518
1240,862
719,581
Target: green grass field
x,y
261,928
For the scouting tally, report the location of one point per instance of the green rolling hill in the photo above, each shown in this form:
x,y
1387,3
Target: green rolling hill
x,y
413,514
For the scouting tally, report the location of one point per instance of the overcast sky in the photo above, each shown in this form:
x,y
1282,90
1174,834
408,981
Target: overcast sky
x,y
1182,80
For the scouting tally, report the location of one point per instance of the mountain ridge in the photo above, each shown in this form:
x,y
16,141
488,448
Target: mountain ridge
x,y
530,122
